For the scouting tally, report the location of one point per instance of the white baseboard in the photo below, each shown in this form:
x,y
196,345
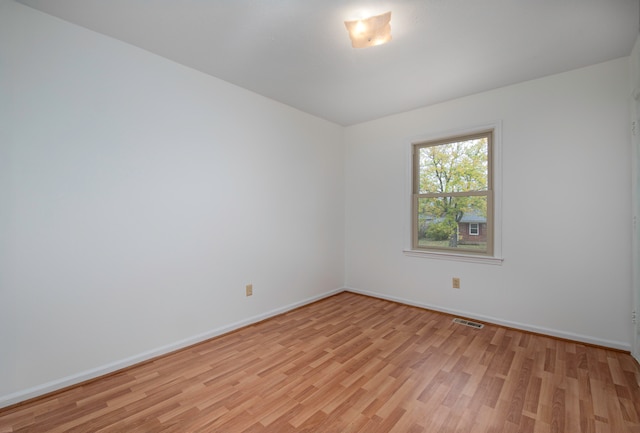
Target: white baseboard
x,y
522,326
55,385
36,391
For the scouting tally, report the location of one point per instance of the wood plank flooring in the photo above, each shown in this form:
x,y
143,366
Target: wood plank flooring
x,y
351,363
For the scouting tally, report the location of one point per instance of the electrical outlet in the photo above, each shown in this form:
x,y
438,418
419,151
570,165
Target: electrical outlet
x,y
249,289
455,282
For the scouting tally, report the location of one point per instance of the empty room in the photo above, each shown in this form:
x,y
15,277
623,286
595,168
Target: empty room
x,y
319,216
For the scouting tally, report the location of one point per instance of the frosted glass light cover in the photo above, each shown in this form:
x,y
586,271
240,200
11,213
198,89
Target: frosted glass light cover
x,y
370,31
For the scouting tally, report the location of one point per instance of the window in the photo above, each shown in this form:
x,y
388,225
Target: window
x,y
452,195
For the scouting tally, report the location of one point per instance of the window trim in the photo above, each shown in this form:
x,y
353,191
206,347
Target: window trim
x,y
488,193
476,231
495,203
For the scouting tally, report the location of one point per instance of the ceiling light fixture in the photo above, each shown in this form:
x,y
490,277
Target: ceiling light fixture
x,y
370,31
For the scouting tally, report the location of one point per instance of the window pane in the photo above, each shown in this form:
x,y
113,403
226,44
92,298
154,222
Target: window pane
x,y
454,167
443,222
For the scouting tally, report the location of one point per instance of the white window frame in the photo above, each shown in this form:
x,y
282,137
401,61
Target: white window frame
x,y
475,232
496,258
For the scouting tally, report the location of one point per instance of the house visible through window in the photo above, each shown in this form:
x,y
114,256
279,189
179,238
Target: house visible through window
x,y
453,195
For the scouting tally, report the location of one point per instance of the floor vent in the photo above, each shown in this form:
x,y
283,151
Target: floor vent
x,y
468,323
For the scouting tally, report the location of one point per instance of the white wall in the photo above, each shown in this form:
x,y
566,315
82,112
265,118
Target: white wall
x,y
634,65
634,91
566,208
138,197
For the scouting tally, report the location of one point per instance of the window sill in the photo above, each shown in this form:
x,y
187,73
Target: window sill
x,y
455,257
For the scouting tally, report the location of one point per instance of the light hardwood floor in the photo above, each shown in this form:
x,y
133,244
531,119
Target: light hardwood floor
x,y
351,363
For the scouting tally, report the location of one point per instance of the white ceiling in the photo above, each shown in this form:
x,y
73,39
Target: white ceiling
x,y
298,51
